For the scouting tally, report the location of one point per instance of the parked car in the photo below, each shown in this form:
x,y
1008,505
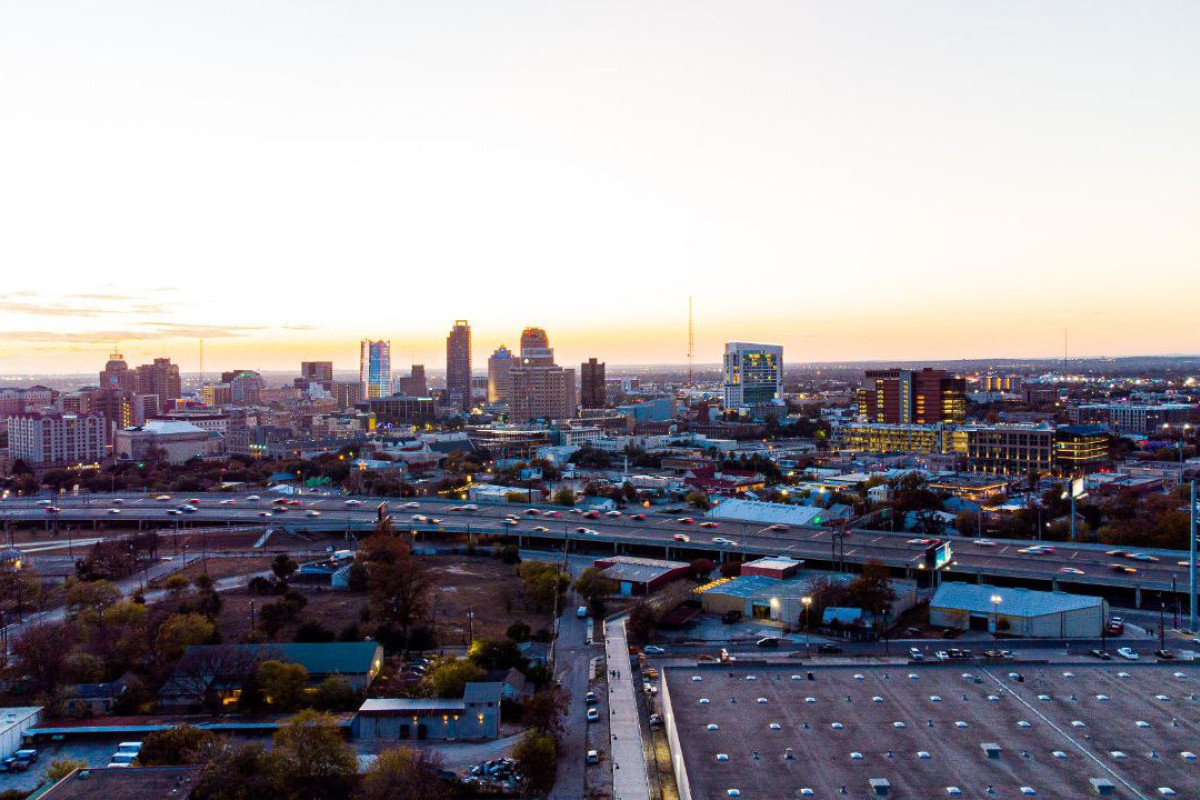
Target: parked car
x,y
1127,653
593,757
915,654
1165,655
653,650
20,761
709,524
656,720
768,641
593,715
590,699
122,760
639,517
1103,655
581,612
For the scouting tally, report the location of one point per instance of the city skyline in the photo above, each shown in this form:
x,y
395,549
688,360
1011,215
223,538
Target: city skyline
x,y
905,184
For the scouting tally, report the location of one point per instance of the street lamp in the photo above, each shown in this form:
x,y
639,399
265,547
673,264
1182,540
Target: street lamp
x,y
996,599
807,601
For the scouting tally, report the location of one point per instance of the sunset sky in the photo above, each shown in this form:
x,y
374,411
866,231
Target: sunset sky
x,y
851,180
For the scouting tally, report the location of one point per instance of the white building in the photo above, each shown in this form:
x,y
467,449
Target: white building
x,y
1018,612
180,441
45,440
753,374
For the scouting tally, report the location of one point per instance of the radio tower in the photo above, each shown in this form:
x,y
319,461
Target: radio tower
x,y
691,346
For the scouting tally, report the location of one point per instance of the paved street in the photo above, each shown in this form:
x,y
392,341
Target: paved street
x,y
625,730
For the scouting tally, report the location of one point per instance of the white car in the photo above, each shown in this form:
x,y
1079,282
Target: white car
x,y
942,655
312,512
985,543
254,497
722,540
114,511
229,502
411,504
261,513
612,513
121,760
1127,653
353,502
420,518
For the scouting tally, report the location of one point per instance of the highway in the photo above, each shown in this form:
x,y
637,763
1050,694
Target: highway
x,y
1073,567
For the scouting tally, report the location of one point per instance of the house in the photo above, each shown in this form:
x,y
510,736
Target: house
x,y
641,576
219,670
476,715
91,699
537,653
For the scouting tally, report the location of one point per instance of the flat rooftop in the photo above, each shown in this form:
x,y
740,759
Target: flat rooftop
x,y
111,783
923,729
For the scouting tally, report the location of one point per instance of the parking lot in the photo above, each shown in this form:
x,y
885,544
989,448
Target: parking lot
x,y
96,753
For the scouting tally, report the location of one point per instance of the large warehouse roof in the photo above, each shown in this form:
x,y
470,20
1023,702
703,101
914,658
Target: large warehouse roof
x,y
767,513
977,598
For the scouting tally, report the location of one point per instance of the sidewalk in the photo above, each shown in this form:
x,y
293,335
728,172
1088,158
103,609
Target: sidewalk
x,y
625,730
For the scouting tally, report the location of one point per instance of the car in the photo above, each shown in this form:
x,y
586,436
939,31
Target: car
x,y
44,502
419,518
1141,557
541,529
942,655
685,520
915,654
778,526
194,501
656,720
592,514
1037,550
591,699
1127,653
175,512
593,757
1071,571
593,715
581,612
533,512
129,747
1165,655
278,509
293,502
581,529
280,501
576,510
229,502
1186,655
1116,553
118,501
120,760
923,542
473,507
985,543
253,498
709,524
114,511
681,537
724,541
312,512
353,503
649,688
53,510
613,513
767,641
20,760
411,504
653,649
511,521
1123,569
829,649
163,497
639,517
1103,655
261,513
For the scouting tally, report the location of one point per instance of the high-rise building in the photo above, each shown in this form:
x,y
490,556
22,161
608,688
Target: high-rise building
x,y
458,366
375,368
347,393
753,374
592,387
924,397
500,375
414,384
117,375
160,378
539,388
57,439
316,371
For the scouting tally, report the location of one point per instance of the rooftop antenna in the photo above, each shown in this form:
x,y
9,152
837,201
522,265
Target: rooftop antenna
x,y
201,362
1064,369
691,353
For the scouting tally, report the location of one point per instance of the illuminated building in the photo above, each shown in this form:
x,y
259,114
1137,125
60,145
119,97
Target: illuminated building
x,y
458,366
871,437
500,375
753,374
1079,449
44,440
924,397
375,368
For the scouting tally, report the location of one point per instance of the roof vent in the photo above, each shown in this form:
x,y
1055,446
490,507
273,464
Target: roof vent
x,y
912,676
876,699
1102,786
993,698
899,726
762,701
1162,697
703,701
712,726
953,791
84,774
797,678
807,792
858,676
880,787
1122,674
1028,791
1068,674
1043,697
1078,723
1024,723
733,793
1141,723
775,726
991,749
1119,755
1102,698
856,756
1059,754
722,756
935,698
810,699
837,726
789,755
1166,791
1188,755
923,755
1179,675
960,724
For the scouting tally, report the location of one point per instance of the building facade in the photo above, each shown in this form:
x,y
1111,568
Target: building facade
x,y
923,397
753,374
414,384
160,378
54,439
500,375
458,366
592,384
375,368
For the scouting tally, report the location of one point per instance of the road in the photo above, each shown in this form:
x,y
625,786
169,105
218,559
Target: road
x,y
1069,565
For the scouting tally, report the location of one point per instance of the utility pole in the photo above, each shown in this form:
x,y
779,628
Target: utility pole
x,y
1192,564
691,353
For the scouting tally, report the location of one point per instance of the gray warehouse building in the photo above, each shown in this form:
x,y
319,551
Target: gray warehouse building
x,y
1019,612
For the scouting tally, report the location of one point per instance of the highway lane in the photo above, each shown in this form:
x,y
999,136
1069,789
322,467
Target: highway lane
x,y
894,549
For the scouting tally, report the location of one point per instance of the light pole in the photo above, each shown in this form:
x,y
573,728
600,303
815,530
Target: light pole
x,y
807,601
996,600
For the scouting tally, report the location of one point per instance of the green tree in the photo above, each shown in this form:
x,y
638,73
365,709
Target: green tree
x,y
314,757
449,676
283,683
697,500
249,772
91,599
336,694
180,745
402,773
871,590
538,754
542,582
181,631
593,587
564,497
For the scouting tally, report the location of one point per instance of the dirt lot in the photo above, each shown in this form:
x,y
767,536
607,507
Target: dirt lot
x,y
218,568
489,588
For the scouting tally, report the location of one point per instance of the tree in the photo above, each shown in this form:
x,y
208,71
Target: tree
x,y
283,567
180,745
249,772
179,632
399,583
313,632
564,497
546,709
402,773
45,650
538,754
519,631
313,757
336,694
91,598
450,675
283,683
702,568
542,582
62,767
697,500
496,654
871,590
731,569
593,587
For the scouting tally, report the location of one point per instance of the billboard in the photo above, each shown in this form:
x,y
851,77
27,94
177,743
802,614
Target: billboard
x,y
938,555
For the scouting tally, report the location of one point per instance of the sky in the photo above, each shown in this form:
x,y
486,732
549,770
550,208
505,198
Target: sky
x,y
852,180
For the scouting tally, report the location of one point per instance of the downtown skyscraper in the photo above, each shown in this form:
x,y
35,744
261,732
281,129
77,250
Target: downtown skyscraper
x,y
375,368
458,366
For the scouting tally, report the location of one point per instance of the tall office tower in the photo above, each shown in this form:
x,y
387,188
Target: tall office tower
x,y
347,393
160,378
415,384
458,365
375,368
539,388
925,397
117,375
535,347
317,372
591,379
500,375
753,374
